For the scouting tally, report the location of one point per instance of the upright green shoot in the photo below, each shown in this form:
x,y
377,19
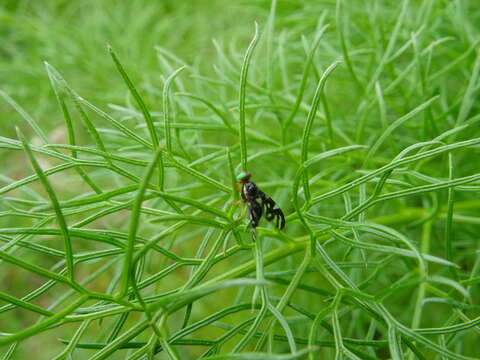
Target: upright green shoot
x,y
242,97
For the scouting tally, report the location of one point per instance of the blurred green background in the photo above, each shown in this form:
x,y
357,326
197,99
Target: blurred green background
x,y
73,37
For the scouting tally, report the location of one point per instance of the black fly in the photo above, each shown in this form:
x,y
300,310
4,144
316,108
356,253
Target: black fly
x,y
257,201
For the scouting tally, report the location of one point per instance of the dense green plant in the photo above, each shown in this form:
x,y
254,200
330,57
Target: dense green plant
x,y
124,241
